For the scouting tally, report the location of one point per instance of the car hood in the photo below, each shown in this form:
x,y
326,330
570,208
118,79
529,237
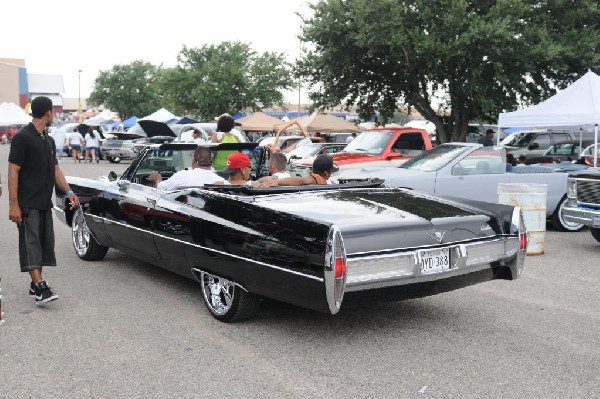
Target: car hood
x,y
382,219
390,175
153,128
341,158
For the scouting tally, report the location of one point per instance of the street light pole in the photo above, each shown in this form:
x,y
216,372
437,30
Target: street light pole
x,y
80,116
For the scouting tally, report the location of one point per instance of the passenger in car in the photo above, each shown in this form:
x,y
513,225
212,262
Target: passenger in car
x,y
277,165
239,170
200,174
323,168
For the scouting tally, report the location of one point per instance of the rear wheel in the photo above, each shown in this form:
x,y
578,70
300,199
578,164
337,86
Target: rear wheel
x,y
114,159
225,300
595,233
559,222
84,243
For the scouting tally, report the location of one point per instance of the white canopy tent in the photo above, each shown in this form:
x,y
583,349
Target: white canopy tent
x,y
576,107
162,115
100,119
12,114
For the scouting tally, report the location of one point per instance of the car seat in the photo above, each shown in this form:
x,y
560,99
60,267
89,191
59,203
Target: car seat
x,y
482,167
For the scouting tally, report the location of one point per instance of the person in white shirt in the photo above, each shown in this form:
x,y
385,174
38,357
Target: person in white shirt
x,y
58,134
197,136
75,143
350,138
90,145
198,176
277,166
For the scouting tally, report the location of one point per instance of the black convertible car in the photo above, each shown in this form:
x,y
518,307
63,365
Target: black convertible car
x,y
308,246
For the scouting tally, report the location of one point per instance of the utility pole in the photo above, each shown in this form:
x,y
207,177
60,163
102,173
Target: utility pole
x,y
80,115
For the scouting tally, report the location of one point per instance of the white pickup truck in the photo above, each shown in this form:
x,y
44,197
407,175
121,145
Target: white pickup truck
x,y
468,170
583,205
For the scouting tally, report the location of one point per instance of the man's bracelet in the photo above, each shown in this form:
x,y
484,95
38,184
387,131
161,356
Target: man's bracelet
x,y
69,193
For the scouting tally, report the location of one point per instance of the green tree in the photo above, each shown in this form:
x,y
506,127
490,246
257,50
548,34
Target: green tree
x,y
129,89
228,77
480,57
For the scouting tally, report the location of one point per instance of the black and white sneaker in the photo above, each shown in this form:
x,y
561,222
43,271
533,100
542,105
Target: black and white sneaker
x,y
43,293
32,289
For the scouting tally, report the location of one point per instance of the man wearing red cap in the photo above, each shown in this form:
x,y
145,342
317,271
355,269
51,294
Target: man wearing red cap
x,y
239,169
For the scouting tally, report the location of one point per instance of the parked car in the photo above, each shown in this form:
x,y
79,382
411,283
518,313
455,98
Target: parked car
x,y
534,143
468,170
120,146
563,151
385,147
156,133
309,246
285,143
587,155
583,204
314,149
184,132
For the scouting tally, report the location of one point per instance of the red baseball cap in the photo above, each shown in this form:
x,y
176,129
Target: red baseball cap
x,y
237,160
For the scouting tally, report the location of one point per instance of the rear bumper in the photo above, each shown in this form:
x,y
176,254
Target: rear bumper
x,y
580,215
425,288
403,269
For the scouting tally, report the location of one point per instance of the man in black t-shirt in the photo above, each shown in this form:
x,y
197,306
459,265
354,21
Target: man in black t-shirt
x,y
487,140
32,174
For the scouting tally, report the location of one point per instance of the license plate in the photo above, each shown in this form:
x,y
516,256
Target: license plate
x,y
434,261
596,222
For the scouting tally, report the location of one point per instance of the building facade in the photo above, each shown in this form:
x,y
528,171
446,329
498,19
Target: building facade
x,y
20,87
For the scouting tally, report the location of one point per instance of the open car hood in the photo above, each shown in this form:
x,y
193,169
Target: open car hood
x,y
153,128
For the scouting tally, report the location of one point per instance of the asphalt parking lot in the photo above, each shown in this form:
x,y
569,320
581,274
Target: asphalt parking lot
x,y
125,329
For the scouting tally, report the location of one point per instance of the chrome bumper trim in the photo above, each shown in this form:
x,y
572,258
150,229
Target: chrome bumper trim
x,y
371,272
579,215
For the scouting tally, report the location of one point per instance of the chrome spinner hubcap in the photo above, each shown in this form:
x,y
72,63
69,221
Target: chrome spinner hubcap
x,y
218,293
81,233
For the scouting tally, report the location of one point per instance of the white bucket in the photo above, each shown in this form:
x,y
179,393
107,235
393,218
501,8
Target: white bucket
x,y
531,198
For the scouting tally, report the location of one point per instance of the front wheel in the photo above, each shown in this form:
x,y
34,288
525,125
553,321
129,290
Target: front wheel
x,y
84,243
225,300
595,233
114,159
559,222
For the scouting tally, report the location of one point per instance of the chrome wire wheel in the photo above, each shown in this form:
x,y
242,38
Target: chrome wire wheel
x,y
218,293
81,234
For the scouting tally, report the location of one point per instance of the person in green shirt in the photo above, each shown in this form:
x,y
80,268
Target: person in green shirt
x,y
223,135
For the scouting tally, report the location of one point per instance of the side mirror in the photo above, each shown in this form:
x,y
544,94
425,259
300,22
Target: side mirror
x,y
394,155
533,146
112,176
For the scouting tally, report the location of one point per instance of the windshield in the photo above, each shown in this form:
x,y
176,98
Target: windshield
x,y
588,152
370,143
563,149
304,151
524,140
435,159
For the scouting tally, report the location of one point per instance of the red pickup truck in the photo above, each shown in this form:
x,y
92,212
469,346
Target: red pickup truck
x,y
383,147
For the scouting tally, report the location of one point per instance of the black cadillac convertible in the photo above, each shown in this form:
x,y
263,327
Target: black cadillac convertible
x,y
308,246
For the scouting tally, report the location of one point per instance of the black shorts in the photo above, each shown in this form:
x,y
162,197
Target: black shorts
x,y
36,239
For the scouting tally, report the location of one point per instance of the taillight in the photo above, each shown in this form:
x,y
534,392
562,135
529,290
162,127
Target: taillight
x,y
336,270
519,230
523,241
340,268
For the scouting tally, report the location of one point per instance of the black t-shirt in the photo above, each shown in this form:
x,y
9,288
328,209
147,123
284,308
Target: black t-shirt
x,y
486,142
35,153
